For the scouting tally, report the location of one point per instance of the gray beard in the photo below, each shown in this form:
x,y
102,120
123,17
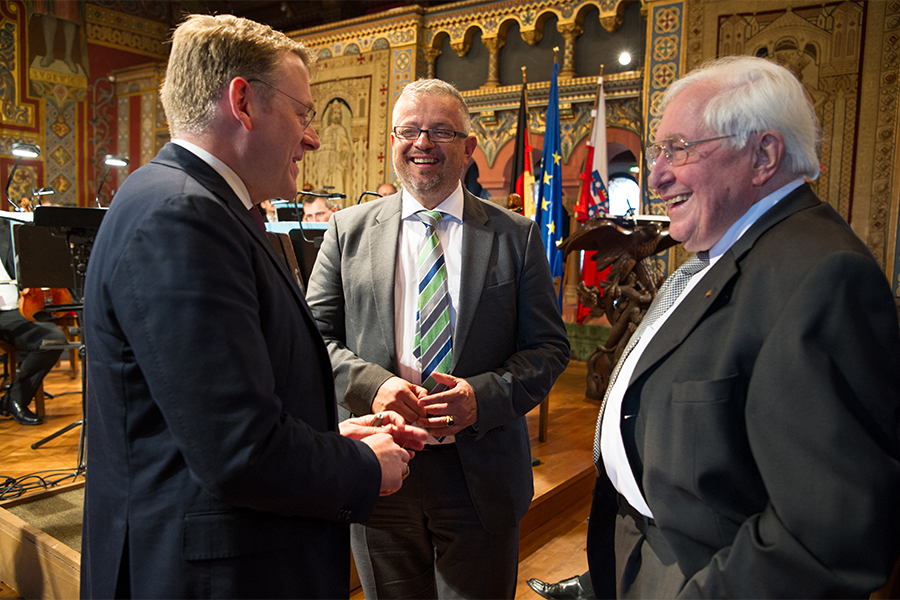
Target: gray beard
x,y
425,186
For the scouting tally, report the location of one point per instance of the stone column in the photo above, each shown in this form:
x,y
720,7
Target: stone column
x,y
431,55
493,45
569,31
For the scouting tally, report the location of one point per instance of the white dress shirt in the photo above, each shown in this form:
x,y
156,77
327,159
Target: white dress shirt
x,y
612,447
406,276
230,177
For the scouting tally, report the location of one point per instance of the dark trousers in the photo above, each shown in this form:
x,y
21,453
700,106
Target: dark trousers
x,y
628,558
426,541
647,568
27,336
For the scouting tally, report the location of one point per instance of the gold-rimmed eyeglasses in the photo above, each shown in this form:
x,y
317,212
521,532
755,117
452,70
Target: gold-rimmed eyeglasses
x,y
306,118
442,136
676,150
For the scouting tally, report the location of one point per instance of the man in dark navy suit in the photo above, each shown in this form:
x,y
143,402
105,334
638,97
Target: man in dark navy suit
x,y
216,466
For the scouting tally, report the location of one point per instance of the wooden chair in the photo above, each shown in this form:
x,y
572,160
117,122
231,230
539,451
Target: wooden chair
x,y
9,354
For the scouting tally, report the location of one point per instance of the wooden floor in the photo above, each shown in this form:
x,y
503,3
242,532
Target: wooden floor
x,y
553,534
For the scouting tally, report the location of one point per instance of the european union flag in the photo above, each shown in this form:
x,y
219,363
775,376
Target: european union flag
x,y
550,209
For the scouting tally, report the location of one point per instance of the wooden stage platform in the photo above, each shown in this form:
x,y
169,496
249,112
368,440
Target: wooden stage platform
x,y
553,532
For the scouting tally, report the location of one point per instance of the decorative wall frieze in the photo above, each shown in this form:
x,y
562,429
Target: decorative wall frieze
x,y
398,27
573,91
117,30
459,21
495,111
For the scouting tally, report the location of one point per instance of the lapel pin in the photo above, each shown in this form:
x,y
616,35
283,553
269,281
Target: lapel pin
x,y
708,293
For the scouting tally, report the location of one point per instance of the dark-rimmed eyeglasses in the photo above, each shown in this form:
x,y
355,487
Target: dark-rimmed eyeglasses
x,y
676,150
441,136
305,119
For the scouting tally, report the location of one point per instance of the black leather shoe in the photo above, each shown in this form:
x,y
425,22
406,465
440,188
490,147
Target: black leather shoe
x,y
567,588
20,414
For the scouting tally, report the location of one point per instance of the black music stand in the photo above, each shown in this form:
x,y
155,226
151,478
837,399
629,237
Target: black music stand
x,y
306,239
53,252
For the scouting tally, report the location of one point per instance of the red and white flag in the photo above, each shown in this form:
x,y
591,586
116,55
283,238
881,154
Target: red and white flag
x,y
593,198
595,177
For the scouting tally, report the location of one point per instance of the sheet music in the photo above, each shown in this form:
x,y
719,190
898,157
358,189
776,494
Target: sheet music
x,y
21,217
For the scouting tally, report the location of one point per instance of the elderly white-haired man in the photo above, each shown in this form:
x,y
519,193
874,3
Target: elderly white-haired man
x,y
748,446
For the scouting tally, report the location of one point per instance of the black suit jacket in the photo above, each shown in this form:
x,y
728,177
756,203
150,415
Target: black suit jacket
x,y
214,465
765,427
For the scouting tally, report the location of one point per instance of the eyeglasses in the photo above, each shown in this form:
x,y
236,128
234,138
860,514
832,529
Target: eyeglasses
x,y
305,119
440,136
676,150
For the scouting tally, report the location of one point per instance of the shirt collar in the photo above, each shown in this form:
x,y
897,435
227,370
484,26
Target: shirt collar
x,y
230,177
750,217
452,205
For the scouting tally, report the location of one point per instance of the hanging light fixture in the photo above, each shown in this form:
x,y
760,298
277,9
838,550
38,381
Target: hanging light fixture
x,y
110,160
20,150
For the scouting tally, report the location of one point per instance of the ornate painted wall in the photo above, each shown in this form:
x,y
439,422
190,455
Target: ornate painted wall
x,y
99,95
412,40
846,55
57,91
352,96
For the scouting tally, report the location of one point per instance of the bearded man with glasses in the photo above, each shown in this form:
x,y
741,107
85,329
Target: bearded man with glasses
x,y
440,306
748,442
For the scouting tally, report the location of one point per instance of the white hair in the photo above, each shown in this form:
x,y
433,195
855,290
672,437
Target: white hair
x,y
754,94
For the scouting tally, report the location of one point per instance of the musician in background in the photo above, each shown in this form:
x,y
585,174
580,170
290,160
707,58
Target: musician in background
x,y
317,209
26,336
268,211
386,189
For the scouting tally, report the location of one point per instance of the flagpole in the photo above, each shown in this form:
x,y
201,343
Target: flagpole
x,y
599,91
549,202
593,198
562,275
529,181
596,115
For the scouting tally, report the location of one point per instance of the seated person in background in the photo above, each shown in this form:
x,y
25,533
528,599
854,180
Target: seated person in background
x,y
25,335
268,211
316,209
386,189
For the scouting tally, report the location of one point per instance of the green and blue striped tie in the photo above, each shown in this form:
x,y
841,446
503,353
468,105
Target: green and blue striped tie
x,y
433,344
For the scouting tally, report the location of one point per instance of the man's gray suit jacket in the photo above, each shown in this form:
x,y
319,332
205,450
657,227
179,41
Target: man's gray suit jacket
x,y
510,343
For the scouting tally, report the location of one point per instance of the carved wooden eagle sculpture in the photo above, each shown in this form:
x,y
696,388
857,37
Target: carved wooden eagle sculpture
x,y
624,243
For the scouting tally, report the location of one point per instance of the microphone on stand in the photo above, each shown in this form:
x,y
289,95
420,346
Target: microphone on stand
x,y
329,195
376,194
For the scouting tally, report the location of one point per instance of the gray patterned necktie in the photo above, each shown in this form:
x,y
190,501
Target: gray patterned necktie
x,y
668,293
